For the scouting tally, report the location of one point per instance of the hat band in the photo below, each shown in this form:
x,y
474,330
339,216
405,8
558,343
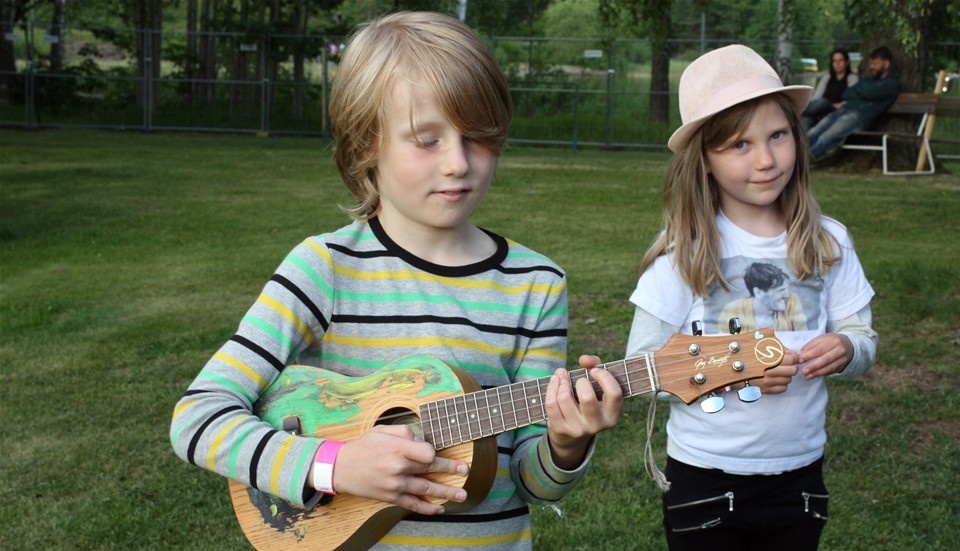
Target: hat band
x,y
730,95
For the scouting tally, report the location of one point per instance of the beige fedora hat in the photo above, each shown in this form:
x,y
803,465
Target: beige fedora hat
x,y
723,78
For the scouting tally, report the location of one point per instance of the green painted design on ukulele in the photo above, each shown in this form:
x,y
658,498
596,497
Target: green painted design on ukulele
x,y
321,398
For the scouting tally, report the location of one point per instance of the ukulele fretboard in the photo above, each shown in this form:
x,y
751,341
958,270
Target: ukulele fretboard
x,y
476,415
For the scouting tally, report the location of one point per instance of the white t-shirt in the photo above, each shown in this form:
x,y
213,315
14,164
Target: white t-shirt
x,y
779,432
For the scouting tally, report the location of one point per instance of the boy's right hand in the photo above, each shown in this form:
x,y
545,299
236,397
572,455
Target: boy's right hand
x,y
386,463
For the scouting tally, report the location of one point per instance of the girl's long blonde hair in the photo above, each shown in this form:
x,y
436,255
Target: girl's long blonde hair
x,y
691,202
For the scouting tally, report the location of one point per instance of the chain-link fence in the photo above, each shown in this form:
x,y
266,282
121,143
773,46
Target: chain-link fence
x,y
568,92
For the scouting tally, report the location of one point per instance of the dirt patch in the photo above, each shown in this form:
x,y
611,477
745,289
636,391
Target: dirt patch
x,y
928,429
900,377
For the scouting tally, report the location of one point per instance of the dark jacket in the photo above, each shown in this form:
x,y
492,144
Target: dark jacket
x,y
871,97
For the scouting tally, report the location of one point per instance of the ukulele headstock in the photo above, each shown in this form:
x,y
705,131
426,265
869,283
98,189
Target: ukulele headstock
x,y
691,366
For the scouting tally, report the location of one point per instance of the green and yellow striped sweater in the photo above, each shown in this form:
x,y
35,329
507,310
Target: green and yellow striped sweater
x,y
351,302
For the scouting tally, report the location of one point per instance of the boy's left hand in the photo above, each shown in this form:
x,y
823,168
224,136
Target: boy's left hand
x,y
572,423
826,354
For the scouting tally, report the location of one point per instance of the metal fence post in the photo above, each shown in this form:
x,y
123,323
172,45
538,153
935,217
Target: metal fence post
x,y
576,115
608,138
265,89
146,76
30,82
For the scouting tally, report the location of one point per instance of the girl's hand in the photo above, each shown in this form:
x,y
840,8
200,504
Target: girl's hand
x,y
572,423
776,380
826,354
386,463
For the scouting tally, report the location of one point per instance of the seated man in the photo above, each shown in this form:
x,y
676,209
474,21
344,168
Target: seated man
x,y
862,104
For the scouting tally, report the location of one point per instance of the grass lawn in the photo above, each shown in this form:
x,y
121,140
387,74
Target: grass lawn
x,y
126,259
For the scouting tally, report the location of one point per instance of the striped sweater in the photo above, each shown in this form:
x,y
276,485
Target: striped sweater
x,y
352,301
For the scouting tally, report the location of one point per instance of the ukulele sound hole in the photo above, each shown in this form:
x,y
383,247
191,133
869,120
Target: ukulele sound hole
x,y
401,416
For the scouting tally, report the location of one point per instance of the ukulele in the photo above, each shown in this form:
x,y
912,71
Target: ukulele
x,y
451,412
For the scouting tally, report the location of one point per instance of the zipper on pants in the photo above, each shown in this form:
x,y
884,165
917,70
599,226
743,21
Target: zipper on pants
x,y
806,503
727,495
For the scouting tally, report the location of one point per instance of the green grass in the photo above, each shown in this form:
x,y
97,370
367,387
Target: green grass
x,y
126,259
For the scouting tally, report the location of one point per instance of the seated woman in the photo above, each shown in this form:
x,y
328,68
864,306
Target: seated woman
x,y
829,91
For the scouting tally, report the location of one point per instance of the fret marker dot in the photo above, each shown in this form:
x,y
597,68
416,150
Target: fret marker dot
x,y
494,410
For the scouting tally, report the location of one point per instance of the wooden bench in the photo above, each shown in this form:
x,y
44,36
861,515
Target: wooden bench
x,y
928,106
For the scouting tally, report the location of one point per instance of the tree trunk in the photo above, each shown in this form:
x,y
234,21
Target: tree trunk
x,y
273,66
909,71
208,52
148,25
785,39
192,54
241,93
156,20
8,61
660,65
299,58
57,31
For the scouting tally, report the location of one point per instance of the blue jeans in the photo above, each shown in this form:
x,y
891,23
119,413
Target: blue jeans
x,y
816,110
832,129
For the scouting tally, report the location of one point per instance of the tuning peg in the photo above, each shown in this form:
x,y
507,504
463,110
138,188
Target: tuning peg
x,y
749,393
735,326
697,328
712,403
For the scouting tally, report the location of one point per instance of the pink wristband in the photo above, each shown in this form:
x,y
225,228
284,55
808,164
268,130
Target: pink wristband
x,y
323,466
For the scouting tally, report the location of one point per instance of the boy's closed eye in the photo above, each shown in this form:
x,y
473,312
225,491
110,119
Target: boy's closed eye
x,y
426,140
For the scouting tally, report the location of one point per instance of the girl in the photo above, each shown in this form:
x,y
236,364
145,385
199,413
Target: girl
x,y
737,203
419,114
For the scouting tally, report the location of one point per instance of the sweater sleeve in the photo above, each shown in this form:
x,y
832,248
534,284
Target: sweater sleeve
x,y
881,91
647,334
821,87
214,425
857,328
537,478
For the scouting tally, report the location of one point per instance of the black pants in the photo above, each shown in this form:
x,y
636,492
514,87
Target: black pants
x,y
708,509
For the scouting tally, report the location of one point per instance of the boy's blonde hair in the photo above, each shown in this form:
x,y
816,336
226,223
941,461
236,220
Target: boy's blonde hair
x,y
691,202
430,49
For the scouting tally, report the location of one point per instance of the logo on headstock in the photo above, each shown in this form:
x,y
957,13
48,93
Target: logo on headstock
x,y
712,361
768,351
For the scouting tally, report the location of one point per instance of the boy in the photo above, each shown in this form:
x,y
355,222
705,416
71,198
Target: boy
x,y
419,114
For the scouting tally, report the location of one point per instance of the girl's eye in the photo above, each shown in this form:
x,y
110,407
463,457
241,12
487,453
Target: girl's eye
x,y
777,135
740,145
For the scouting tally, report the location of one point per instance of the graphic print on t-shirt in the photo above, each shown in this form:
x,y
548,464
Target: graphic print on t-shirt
x,y
763,293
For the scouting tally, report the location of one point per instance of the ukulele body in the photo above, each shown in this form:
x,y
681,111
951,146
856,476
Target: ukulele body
x,y
339,407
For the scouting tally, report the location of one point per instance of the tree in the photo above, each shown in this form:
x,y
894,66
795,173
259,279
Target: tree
x,y
785,21
909,28
58,23
147,16
651,18
12,14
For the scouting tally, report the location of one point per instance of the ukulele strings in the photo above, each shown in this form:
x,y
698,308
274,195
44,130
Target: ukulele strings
x,y
515,402
450,423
